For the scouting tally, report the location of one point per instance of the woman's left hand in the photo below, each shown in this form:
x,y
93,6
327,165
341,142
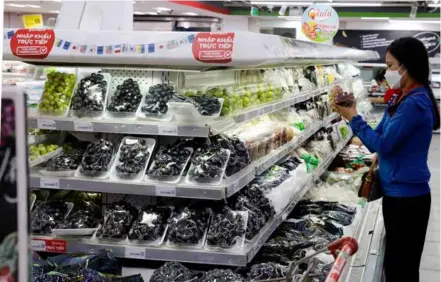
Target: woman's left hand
x,y
347,112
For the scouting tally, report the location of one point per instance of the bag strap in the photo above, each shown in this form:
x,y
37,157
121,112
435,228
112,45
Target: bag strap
x,y
374,164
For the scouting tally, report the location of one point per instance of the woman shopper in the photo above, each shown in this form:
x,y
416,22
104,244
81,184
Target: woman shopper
x,y
402,141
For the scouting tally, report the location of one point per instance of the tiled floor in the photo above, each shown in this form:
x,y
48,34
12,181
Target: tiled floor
x,y
430,262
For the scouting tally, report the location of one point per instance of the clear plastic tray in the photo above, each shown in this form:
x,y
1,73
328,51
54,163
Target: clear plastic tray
x,y
188,112
136,177
62,173
108,240
32,199
70,207
160,240
200,243
240,241
126,115
45,158
74,232
99,175
48,98
169,179
168,116
215,181
96,114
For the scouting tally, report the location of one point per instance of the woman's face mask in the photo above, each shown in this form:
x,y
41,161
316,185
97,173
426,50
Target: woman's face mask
x,y
393,78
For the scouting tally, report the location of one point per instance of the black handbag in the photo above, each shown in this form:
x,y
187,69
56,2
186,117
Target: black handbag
x,y
370,186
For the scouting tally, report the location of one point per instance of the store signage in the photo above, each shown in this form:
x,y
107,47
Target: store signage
x,y
32,21
379,40
213,47
320,23
14,230
32,43
49,245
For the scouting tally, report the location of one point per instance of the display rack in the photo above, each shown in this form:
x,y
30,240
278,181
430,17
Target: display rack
x,y
170,53
204,256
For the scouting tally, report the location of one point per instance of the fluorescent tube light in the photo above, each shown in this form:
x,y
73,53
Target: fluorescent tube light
x,y
339,4
375,18
33,6
434,5
16,5
190,14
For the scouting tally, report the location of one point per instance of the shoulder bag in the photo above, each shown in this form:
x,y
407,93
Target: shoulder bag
x,y
370,185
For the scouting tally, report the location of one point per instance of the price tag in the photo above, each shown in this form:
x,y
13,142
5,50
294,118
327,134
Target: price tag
x,y
50,183
135,253
167,129
37,245
166,191
83,126
46,124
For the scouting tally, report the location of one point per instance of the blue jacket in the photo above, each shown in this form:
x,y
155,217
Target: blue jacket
x,y
402,143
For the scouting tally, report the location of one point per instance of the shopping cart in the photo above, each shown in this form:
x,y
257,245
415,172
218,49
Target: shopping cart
x,y
342,249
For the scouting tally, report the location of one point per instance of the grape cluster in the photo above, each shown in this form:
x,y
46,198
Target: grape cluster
x,y
86,215
239,156
150,224
89,97
117,221
156,102
172,272
65,161
45,216
226,229
97,158
266,271
37,151
57,93
188,226
169,160
207,106
126,97
291,163
208,164
133,157
221,275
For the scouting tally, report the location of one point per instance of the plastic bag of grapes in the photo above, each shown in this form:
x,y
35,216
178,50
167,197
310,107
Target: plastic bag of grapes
x,y
57,94
90,95
124,99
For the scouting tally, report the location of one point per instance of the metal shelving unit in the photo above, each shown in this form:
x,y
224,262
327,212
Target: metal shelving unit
x,y
184,190
191,255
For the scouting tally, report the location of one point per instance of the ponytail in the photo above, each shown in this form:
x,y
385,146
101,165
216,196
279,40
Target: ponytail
x,y
436,115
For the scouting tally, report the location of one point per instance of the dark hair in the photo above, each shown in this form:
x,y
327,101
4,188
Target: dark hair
x,y
412,54
380,75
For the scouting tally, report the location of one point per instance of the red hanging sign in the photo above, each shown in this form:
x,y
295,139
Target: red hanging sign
x,y
32,43
213,47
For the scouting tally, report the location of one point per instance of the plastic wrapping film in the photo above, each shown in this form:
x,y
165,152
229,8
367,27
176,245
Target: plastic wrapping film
x,y
90,95
57,94
125,100
47,215
208,165
97,160
117,222
173,272
150,227
188,227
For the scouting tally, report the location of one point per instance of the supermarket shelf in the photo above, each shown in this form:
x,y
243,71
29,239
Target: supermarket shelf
x,y
173,128
165,253
183,190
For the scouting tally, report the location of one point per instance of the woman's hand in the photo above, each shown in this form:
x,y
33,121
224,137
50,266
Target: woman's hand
x,y
346,112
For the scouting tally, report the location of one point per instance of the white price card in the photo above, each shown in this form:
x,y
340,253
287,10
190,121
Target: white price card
x,y
167,129
37,245
46,124
83,126
134,252
50,183
165,191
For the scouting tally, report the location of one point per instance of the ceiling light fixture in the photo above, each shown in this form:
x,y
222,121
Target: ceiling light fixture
x,y
54,12
139,13
339,4
190,14
162,9
16,5
434,5
33,6
375,18
152,13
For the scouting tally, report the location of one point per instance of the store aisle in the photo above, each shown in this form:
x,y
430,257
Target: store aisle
x,y
430,262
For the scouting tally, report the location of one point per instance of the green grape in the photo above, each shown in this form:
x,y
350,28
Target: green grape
x,y
246,102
